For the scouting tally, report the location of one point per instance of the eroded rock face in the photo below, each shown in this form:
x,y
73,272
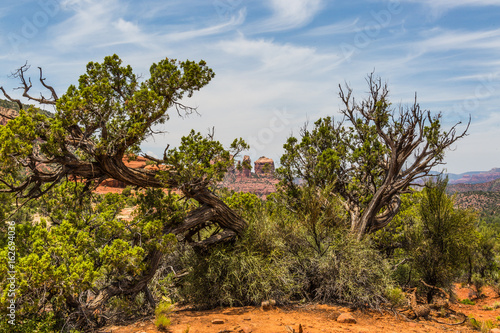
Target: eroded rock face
x,y
247,166
8,113
261,182
264,166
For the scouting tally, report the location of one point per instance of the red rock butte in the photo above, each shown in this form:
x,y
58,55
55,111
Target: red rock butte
x,y
264,166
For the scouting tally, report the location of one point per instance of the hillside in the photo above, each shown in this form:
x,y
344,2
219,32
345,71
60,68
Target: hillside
x,y
490,186
474,177
483,197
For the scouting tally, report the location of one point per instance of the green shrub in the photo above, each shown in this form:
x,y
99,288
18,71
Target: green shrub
x,y
395,296
303,257
467,301
162,313
236,276
84,246
350,272
482,326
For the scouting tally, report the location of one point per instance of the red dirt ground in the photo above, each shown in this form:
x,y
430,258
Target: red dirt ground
x,y
312,318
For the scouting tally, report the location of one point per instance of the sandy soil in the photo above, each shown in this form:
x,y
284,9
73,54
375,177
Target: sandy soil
x,y
312,318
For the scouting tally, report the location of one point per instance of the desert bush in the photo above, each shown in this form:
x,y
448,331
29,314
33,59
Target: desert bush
x,y
82,247
246,273
286,254
395,296
350,272
162,313
436,239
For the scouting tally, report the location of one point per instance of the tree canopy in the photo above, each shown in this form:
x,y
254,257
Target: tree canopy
x,y
104,118
369,157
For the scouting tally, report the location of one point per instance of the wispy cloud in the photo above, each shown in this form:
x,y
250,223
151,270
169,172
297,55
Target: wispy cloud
x,y
439,7
277,57
290,14
342,27
444,40
91,22
455,3
280,54
211,30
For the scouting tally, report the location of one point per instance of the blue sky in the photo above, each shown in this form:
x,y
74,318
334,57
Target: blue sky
x,y
278,63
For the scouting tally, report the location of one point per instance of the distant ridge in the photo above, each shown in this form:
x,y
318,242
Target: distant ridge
x,y
491,186
474,177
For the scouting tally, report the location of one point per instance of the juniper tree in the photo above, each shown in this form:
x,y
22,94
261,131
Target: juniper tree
x,y
95,126
369,157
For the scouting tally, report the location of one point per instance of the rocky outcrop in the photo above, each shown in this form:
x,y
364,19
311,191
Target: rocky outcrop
x,y
261,182
5,114
246,166
264,166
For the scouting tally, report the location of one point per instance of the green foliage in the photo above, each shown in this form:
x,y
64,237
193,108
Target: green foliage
x,y
111,98
396,297
286,255
248,205
350,272
443,236
434,238
85,246
199,161
363,158
482,326
251,271
467,301
162,312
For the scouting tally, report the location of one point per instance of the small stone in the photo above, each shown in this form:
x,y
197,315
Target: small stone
x,y
495,330
265,305
218,321
247,318
346,318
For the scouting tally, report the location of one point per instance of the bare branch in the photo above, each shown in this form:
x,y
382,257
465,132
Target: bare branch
x,y
18,102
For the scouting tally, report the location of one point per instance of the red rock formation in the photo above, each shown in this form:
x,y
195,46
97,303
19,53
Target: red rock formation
x,y
264,166
478,177
246,166
7,112
112,183
261,183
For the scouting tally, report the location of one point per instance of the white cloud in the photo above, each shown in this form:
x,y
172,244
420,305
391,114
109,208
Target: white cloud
x,y
211,30
439,7
91,22
456,3
284,58
443,40
342,27
290,14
